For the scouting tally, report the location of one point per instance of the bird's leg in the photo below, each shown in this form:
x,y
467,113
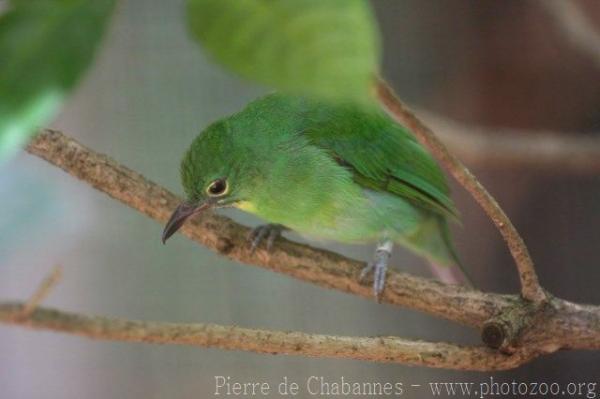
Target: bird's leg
x,y
269,231
379,266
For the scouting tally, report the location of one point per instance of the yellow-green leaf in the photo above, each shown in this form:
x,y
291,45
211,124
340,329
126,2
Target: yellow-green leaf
x,y
328,48
45,45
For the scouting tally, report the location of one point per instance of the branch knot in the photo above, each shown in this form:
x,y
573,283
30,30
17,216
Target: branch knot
x,y
504,331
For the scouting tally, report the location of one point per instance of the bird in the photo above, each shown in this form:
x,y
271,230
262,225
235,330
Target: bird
x,y
330,171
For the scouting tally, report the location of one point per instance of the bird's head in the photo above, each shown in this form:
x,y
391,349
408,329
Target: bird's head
x,y
216,172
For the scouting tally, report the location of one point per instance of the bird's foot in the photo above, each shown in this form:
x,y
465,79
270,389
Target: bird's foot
x,y
379,268
270,232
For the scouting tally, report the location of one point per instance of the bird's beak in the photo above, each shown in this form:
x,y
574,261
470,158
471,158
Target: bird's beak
x,y
182,213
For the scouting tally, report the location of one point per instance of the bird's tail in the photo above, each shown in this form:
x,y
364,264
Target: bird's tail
x,y
434,242
457,269
450,275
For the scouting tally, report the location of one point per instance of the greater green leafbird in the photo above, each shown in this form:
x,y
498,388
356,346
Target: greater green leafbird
x,y
328,171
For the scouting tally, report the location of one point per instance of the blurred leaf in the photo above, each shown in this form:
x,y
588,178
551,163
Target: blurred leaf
x,y
328,48
45,45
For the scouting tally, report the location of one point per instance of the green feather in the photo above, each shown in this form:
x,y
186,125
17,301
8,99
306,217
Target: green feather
x,y
381,155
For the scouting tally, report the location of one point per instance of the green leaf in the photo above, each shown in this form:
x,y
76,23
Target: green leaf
x,y
45,45
328,48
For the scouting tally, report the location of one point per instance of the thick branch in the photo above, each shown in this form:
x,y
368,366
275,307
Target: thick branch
x,y
515,148
530,287
376,349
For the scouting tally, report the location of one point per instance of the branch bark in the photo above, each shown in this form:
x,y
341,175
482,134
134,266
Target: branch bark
x,y
530,286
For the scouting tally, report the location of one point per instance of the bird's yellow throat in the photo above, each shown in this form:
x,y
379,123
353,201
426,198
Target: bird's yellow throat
x,y
246,206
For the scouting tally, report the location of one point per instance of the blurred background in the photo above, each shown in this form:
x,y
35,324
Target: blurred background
x,y
151,90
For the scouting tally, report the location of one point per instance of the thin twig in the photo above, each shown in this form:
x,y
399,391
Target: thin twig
x,y
530,287
42,291
509,148
576,27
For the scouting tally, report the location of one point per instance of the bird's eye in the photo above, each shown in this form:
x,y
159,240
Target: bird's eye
x,y
217,188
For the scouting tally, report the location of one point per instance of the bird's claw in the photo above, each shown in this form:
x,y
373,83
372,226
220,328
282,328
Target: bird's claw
x,y
379,268
269,231
365,272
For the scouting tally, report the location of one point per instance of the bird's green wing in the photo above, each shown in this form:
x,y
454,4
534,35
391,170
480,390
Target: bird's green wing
x,y
381,155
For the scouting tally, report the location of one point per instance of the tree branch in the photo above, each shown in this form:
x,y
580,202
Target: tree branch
x,y
576,27
376,349
572,329
530,287
517,148
521,329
